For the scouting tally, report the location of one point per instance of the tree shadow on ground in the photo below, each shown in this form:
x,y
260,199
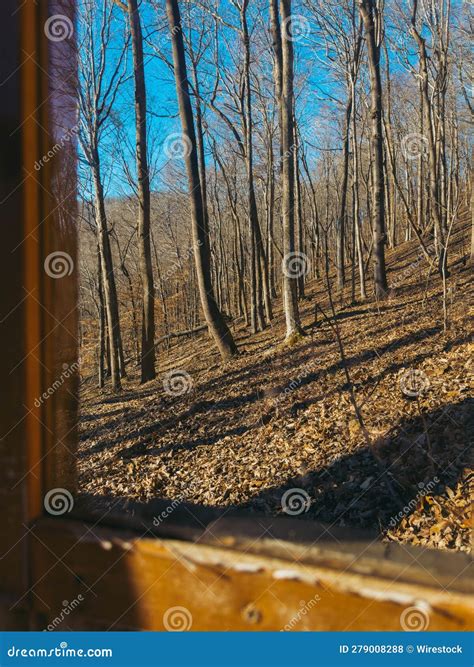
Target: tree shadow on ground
x,y
375,488
226,414
369,488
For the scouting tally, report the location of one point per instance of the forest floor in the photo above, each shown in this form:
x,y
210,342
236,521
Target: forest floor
x,y
278,419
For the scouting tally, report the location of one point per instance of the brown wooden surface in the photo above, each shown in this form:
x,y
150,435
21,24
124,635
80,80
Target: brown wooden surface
x,y
38,335
304,541
130,583
59,296
15,208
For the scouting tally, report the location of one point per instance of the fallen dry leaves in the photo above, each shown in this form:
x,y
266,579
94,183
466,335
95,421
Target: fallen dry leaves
x,y
277,418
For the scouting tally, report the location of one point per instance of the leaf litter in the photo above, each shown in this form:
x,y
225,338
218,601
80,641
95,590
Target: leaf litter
x,y
278,418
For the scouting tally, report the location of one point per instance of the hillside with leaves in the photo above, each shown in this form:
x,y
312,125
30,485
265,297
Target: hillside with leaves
x,y
367,420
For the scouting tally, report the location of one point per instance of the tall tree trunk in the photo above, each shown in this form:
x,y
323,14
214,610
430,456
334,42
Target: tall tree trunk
x,y
258,266
292,318
278,61
200,148
315,231
390,188
108,276
432,155
162,289
128,278
271,220
100,290
216,323
420,212
341,221
471,256
298,210
369,13
355,200
147,353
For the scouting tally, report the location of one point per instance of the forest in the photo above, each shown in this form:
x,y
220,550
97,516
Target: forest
x,y
275,249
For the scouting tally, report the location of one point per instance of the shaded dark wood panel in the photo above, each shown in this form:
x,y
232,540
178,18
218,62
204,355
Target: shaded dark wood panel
x,y
125,582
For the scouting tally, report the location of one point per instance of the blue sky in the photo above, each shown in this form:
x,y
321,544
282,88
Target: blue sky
x,y
317,110
163,117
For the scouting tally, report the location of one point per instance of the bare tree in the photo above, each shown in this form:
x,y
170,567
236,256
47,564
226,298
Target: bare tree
x,y
262,181
286,101
433,123
99,83
341,38
371,16
217,326
147,354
